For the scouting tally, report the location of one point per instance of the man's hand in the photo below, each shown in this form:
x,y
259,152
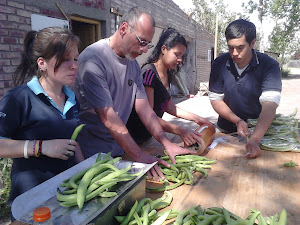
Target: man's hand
x,y
174,150
242,128
253,150
155,172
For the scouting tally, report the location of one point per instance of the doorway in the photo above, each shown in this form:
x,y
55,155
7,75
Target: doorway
x,y
87,30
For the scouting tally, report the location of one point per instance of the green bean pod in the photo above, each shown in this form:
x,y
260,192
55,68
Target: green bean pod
x,y
283,218
220,220
145,211
107,194
227,216
113,175
137,218
162,219
130,214
209,220
66,198
253,218
85,181
261,220
76,131
141,203
164,203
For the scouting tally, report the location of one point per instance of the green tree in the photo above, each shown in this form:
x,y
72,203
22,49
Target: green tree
x,y
285,35
262,7
205,15
284,38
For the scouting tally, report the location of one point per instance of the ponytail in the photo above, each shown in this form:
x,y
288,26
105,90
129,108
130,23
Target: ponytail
x,y
28,67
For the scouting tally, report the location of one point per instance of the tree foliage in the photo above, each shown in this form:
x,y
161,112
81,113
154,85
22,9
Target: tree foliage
x,y
284,38
205,15
285,35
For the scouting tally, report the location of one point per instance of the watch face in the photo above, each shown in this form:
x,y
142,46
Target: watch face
x,y
130,82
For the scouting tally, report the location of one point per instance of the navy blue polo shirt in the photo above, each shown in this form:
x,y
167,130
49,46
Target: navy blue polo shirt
x,y
28,113
242,92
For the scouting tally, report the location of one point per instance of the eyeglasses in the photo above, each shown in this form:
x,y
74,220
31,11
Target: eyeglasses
x,y
142,43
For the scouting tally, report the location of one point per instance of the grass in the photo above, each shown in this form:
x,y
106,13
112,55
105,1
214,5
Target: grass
x,y
5,168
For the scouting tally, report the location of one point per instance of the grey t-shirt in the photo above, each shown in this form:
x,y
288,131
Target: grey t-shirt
x,y
105,80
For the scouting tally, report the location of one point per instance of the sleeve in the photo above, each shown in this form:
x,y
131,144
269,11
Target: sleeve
x,y
270,96
272,76
94,85
216,84
140,91
150,78
10,116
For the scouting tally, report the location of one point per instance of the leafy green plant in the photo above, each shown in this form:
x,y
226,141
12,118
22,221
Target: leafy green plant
x,y
285,72
5,168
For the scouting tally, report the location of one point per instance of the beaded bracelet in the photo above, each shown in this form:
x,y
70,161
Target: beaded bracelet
x,y
36,148
33,147
40,148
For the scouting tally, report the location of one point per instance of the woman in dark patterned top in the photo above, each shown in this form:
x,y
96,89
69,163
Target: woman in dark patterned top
x,y
157,73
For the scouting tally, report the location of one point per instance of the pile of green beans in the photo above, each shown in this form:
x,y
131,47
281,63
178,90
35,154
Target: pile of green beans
x,y
144,212
221,216
182,172
97,180
281,135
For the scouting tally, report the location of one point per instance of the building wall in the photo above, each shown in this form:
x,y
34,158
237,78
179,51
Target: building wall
x,y
168,14
15,22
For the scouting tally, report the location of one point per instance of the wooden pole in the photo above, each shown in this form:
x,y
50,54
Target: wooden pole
x,y
216,38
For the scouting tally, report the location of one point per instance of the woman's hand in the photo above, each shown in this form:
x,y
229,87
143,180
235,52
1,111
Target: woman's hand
x,y
201,121
59,148
189,137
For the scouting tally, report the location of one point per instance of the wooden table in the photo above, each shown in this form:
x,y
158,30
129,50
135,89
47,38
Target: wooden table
x,y
240,184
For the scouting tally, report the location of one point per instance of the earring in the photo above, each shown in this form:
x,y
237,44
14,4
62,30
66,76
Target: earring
x,y
43,70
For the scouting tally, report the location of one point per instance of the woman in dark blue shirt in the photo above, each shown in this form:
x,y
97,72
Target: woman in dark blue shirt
x,y
38,118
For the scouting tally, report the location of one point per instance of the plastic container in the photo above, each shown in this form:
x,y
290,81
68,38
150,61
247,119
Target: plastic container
x,y
207,131
42,216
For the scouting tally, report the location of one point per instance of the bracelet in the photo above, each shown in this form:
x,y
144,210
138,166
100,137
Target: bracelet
x,y
36,148
40,148
238,122
26,149
33,147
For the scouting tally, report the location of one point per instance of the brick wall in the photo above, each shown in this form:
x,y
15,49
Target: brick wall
x,y
205,41
15,22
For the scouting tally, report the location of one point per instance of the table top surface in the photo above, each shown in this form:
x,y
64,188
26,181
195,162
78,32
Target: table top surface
x,y
240,184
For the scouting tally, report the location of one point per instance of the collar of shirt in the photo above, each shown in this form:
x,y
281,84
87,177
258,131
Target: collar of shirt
x,y
36,87
231,65
253,62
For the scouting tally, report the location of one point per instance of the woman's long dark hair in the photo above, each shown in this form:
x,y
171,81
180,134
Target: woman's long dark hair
x,y
47,43
169,37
